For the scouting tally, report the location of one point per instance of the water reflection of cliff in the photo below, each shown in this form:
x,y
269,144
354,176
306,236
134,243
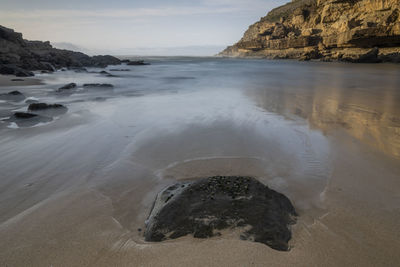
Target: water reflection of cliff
x,y
365,106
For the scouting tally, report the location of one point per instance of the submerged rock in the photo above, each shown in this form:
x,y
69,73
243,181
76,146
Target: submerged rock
x,y
98,85
67,87
48,110
204,207
43,106
12,96
24,115
26,119
107,74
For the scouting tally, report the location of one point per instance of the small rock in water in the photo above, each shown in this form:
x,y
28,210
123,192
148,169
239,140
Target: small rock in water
x,y
24,115
48,110
137,63
43,106
101,85
12,96
67,87
26,119
262,215
15,93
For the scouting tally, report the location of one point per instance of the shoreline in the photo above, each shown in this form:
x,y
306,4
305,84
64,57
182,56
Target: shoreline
x,y
76,191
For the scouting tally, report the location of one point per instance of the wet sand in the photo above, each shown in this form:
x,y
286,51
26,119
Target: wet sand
x,y
7,80
75,192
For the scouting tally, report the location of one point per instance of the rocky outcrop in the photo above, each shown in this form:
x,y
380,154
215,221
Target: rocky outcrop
x,y
207,206
19,56
346,30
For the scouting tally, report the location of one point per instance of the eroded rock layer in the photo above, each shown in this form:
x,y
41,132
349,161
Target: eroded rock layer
x,y
347,30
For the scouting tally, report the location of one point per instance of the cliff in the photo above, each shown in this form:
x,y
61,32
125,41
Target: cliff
x,y
346,30
19,56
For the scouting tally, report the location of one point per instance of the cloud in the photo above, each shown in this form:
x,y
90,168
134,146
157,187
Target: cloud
x,y
201,8
114,13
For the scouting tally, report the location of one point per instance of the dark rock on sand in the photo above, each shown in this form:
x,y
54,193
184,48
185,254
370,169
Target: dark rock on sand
x,y
204,207
17,80
12,96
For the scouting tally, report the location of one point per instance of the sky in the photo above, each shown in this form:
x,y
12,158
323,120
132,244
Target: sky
x,y
127,27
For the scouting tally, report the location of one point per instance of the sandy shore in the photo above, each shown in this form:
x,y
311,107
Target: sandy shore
x,y
359,228
7,80
76,192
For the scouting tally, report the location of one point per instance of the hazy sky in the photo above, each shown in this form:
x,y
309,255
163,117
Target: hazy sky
x,y
124,26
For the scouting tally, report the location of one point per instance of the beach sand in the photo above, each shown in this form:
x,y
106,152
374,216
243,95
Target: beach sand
x,y
359,228
6,80
77,191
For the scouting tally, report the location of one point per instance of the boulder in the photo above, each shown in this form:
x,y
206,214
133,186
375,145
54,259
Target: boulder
x,y
205,207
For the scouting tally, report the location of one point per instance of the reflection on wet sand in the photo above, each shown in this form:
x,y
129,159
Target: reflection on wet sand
x,y
370,112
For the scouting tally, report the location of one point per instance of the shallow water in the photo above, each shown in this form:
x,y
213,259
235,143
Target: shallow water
x,y
184,118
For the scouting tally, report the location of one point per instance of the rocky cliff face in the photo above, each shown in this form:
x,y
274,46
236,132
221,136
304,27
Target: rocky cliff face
x,y
19,56
348,30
